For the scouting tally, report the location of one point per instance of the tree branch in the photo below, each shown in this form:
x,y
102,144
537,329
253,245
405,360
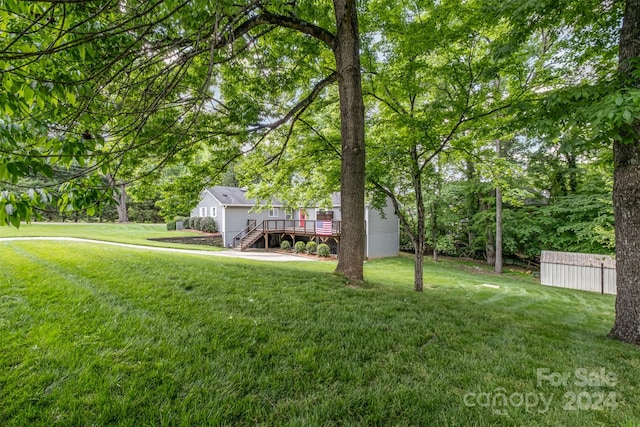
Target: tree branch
x,y
301,106
396,205
302,26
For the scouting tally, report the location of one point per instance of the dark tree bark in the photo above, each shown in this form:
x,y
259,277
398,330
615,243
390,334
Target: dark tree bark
x,y
626,191
573,173
490,245
418,269
419,240
347,54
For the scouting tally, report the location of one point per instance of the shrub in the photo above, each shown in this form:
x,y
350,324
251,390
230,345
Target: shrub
x,y
300,247
285,245
208,225
311,247
195,223
171,225
323,250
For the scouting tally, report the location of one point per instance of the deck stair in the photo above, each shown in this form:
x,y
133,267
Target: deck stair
x,y
250,238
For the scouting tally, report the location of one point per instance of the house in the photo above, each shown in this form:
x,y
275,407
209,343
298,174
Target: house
x,y
241,227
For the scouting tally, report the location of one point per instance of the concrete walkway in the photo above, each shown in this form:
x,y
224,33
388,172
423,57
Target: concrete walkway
x,y
254,255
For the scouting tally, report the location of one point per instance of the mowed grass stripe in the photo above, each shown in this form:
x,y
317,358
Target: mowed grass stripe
x,y
138,234
71,329
143,338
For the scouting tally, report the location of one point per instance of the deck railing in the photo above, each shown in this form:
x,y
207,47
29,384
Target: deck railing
x,y
305,227
251,227
308,227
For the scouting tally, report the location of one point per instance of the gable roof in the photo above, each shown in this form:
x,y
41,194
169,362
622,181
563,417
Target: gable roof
x,y
234,196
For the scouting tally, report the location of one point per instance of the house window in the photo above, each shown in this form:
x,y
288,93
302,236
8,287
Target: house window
x,y
214,211
273,213
288,214
203,211
324,215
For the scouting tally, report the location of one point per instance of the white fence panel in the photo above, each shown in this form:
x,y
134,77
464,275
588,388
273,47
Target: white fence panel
x,y
586,272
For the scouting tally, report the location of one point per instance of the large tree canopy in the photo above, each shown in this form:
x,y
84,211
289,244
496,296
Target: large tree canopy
x,y
125,87
122,89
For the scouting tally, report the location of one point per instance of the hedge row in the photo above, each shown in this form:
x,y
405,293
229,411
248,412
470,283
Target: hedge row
x,y
310,247
206,224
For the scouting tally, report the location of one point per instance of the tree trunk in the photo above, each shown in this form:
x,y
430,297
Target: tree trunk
x,y
121,204
419,243
119,197
498,260
626,192
418,268
347,54
418,281
573,173
490,252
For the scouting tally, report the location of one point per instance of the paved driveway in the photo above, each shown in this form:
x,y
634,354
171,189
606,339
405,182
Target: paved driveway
x,y
255,255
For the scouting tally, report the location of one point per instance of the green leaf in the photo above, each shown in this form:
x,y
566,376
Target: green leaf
x,y
27,93
47,170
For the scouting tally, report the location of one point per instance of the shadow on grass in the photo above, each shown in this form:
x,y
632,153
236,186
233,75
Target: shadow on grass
x,y
103,335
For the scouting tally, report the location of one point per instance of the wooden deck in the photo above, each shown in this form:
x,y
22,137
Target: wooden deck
x,y
321,230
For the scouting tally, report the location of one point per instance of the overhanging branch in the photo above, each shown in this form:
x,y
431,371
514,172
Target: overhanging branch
x,y
301,106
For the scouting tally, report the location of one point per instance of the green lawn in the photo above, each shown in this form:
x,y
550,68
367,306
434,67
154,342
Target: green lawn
x,y
122,233
95,335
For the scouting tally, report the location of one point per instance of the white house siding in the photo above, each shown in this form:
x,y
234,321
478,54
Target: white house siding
x,y
382,234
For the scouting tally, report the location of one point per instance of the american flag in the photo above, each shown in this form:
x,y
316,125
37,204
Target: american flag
x,y
323,228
